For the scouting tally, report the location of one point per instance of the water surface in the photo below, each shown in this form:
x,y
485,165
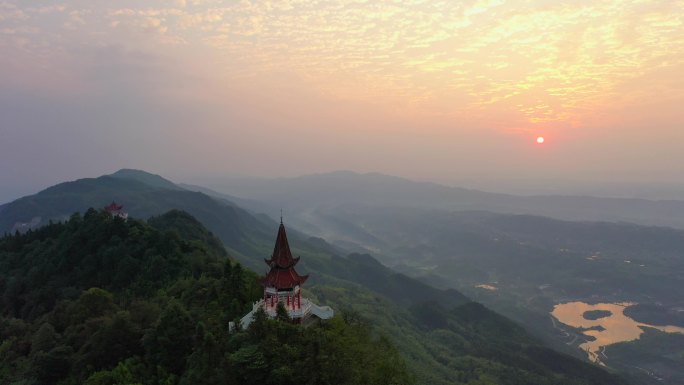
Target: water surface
x,y
614,328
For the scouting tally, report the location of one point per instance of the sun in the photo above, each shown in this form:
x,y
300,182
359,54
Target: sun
x,y
540,140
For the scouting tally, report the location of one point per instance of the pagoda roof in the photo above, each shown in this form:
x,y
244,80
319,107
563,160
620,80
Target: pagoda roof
x,y
113,207
282,256
282,274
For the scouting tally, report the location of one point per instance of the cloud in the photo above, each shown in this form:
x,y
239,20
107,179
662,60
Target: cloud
x,y
540,63
48,9
11,12
295,86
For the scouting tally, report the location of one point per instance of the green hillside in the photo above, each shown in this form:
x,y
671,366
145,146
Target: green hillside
x,y
99,300
443,337
234,226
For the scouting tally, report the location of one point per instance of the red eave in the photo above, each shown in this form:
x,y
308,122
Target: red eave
x,y
283,278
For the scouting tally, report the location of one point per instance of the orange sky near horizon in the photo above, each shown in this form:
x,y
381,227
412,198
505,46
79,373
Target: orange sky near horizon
x,y
584,74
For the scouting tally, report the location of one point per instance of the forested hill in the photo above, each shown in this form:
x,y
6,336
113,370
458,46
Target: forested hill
x,y
102,301
143,195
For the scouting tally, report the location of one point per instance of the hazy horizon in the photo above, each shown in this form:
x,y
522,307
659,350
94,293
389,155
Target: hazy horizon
x,y
431,91
651,191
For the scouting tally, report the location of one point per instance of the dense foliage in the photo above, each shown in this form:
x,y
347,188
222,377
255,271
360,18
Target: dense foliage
x,y
466,344
98,300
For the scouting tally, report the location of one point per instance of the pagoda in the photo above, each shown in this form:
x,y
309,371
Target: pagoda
x,y
116,210
282,285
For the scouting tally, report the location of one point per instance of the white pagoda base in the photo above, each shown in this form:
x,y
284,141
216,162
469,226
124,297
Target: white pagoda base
x,y
302,313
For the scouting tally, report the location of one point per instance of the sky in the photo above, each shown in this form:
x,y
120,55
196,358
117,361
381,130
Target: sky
x,y
449,91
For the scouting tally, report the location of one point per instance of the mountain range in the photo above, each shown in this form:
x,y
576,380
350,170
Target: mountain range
x,y
311,192
444,337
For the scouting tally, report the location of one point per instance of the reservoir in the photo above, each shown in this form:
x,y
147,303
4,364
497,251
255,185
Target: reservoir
x,y
606,322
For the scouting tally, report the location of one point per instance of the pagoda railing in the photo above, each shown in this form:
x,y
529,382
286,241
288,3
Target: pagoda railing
x,y
292,311
307,308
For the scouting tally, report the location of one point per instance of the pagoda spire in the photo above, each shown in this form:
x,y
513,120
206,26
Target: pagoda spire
x,y
282,274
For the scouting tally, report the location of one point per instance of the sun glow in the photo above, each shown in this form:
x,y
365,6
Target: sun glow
x,y
540,140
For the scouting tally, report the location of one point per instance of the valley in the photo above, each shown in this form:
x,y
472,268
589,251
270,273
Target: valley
x,y
520,265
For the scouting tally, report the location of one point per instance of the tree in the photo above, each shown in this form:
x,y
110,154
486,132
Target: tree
x,y
93,302
257,329
52,366
44,340
249,366
122,374
171,341
206,363
236,284
227,269
116,340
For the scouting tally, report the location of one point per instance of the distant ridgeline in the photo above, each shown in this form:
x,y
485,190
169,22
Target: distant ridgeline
x,y
101,300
